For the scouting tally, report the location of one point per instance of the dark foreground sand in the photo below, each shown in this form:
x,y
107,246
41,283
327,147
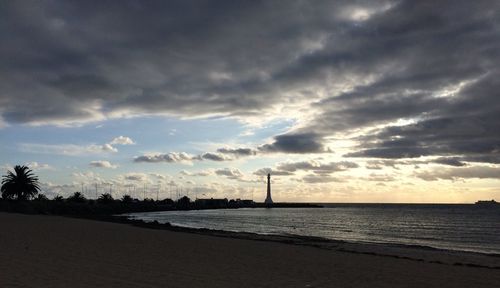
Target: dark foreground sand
x,y
49,251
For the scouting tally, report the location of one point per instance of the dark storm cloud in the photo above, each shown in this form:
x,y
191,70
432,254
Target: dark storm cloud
x,y
295,143
438,71
68,61
466,128
362,64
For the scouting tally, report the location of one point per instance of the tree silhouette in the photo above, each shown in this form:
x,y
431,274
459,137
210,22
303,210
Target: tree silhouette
x,y
127,199
184,203
77,197
41,197
105,198
21,185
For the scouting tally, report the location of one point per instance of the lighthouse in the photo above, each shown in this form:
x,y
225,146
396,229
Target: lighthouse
x,y
269,200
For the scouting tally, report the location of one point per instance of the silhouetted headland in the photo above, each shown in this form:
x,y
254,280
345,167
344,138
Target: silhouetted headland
x,y
487,203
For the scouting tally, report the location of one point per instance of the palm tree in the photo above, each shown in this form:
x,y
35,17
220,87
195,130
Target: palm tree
x,y
41,197
22,184
127,199
77,197
105,198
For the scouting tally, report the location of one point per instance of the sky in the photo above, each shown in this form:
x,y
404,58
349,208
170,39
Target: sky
x,y
341,101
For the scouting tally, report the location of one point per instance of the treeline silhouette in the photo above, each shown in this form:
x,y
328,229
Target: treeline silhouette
x,y
105,204
20,193
77,204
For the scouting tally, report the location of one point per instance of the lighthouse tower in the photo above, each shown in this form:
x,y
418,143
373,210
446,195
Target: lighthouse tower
x,y
268,200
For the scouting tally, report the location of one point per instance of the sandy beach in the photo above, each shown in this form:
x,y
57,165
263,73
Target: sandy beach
x,y
51,251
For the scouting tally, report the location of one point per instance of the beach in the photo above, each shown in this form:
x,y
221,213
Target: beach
x,y
53,251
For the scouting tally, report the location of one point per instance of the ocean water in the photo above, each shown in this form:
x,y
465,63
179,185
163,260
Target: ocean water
x,y
454,227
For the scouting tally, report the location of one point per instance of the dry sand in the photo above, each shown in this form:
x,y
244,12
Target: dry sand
x,y
50,251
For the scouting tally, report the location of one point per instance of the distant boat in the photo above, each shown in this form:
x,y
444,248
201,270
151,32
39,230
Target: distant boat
x,y
488,203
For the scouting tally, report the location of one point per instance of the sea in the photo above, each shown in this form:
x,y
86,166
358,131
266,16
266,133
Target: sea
x,y
452,227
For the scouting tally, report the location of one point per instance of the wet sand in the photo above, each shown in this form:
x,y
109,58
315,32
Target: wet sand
x,y
51,251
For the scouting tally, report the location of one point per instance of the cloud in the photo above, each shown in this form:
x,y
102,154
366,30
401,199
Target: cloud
x,y
67,149
479,172
203,189
75,150
160,177
6,167
185,173
122,140
287,143
2,122
265,171
199,173
39,166
215,157
231,173
103,164
154,70
413,79
52,190
108,148
459,137
316,166
295,143
169,75
172,157
453,161
175,157
237,151
395,163
381,164
380,178
314,178
88,177
321,170
136,177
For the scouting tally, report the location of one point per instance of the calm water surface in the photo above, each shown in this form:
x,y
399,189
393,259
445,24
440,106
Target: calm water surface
x,y
456,227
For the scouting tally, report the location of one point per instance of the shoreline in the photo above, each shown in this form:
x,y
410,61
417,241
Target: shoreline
x,y
410,251
419,253
174,226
